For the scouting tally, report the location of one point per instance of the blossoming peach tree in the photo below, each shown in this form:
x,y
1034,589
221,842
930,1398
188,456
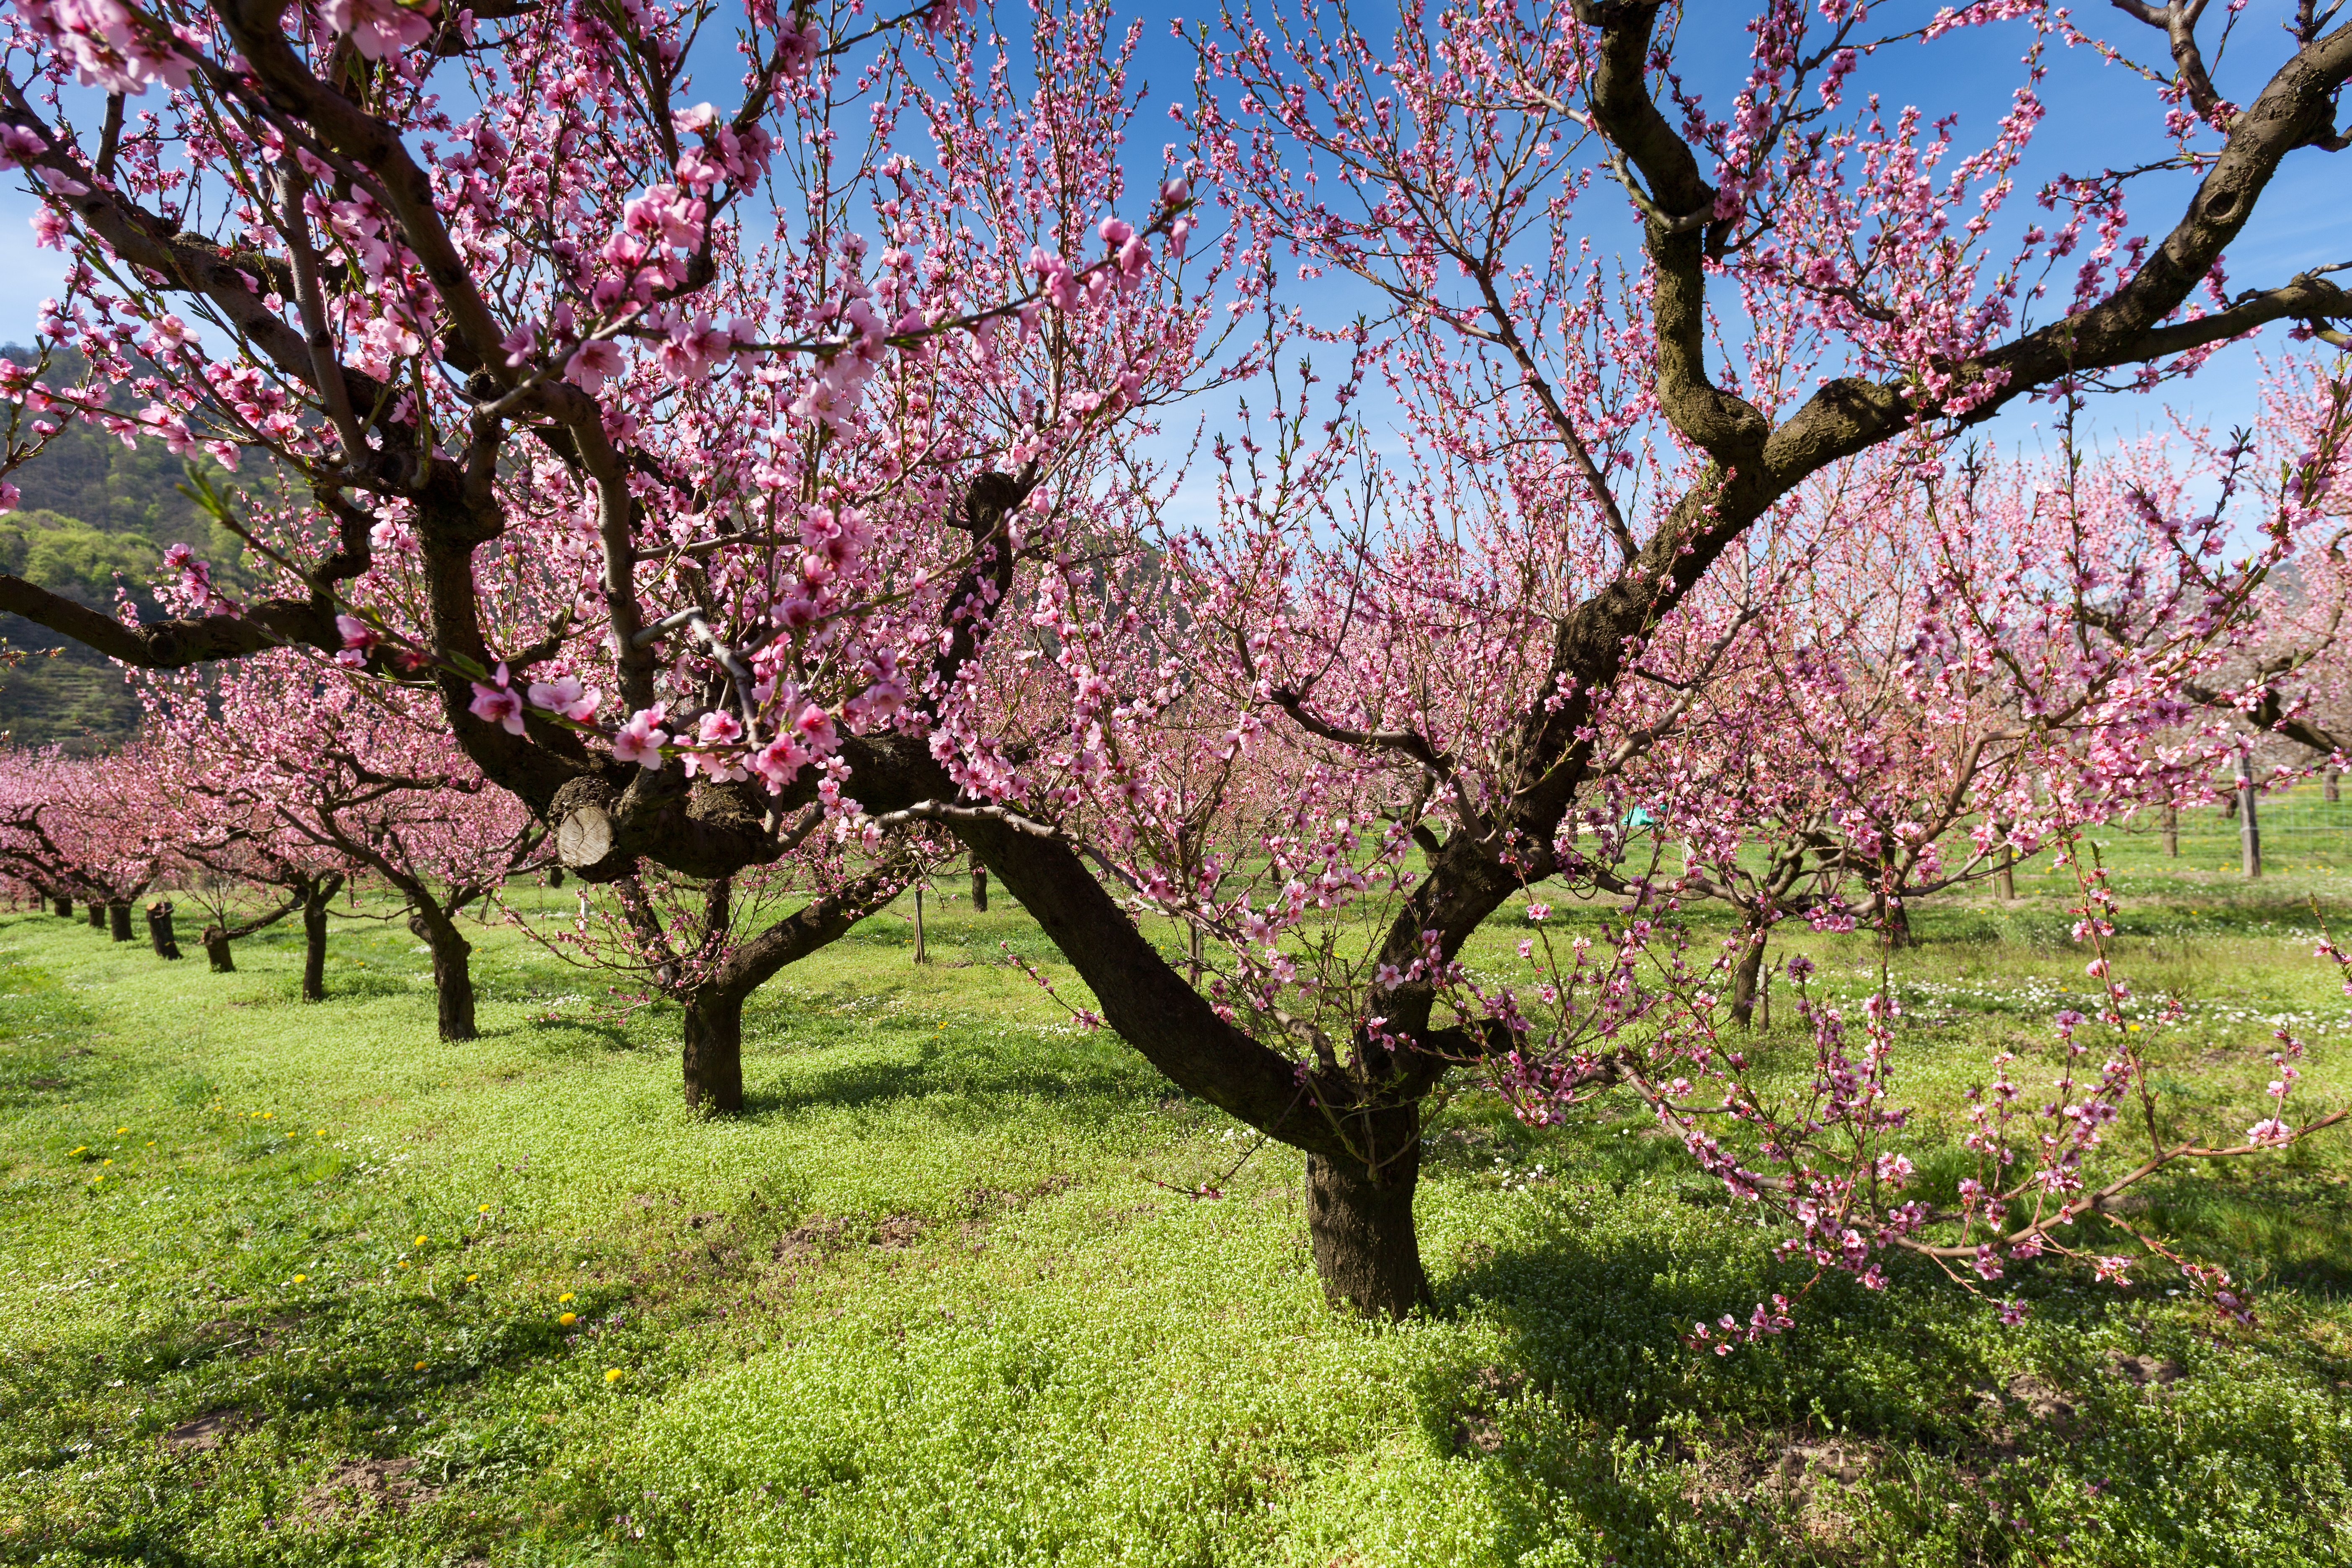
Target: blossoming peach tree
x,y
729,469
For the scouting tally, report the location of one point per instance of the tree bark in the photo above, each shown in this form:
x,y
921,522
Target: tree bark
x,y
920,955
2172,831
453,972
1367,1252
2250,831
1744,975
97,915
2331,787
216,943
714,1050
160,935
64,906
118,920
980,884
314,943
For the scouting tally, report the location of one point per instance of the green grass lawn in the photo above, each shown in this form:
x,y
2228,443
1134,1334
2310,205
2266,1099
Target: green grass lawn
x,y
297,1284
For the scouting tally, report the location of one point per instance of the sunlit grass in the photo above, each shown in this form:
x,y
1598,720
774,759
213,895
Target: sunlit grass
x,y
937,1297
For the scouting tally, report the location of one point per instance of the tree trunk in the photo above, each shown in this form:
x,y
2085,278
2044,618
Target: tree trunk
x,y
118,920
97,915
714,1051
2330,787
453,973
555,876
314,944
2250,832
159,930
1744,975
2172,831
2005,877
216,943
1366,1251
980,885
63,907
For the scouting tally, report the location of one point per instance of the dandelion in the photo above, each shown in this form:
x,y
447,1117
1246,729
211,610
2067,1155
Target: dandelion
x,y
299,1278
403,1263
611,1374
420,1366
569,1319
121,1130
423,1239
565,1297
471,1278
484,1209
83,1149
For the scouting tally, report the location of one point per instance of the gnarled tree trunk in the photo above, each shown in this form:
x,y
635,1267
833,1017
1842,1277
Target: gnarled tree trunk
x,y
216,943
64,906
979,887
453,974
1359,1221
97,914
714,1050
159,930
314,943
118,920
1745,974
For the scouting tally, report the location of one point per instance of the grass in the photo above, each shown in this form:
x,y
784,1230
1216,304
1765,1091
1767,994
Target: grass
x,y
289,1284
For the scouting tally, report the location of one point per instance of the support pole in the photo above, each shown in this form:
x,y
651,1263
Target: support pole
x,y
2250,833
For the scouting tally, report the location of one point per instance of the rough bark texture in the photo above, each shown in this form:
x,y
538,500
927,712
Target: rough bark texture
x,y
159,930
216,943
97,915
714,1050
118,920
1744,975
314,945
980,884
1367,1252
453,972
64,906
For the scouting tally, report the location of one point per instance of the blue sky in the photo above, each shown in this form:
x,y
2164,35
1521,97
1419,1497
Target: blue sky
x,y
2100,115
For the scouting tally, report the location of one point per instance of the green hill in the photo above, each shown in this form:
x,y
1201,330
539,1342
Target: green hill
x,y
95,516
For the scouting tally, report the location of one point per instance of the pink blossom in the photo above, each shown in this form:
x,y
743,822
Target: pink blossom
x,y
639,740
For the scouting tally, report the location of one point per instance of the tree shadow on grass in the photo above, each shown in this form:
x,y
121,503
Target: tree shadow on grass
x,y
1597,1414
1069,1079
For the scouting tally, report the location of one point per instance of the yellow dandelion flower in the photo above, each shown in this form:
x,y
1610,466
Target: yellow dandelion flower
x,y
299,1278
471,1278
121,1130
420,1366
484,1209
403,1263
611,1374
423,1239
83,1149
565,1297
270,1116
2131,1028
107,1161
569,1319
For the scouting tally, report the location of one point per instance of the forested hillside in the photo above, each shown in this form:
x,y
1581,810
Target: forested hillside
x,y
95,516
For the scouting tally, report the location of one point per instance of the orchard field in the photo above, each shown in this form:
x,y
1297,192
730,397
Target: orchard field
x,y
295,1283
